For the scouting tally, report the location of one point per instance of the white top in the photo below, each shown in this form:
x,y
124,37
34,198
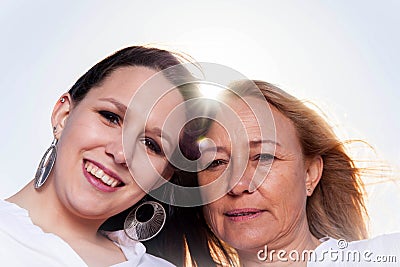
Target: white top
x,y
24,244
380,251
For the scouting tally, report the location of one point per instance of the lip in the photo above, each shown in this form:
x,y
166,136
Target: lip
x,y
96,182
238,215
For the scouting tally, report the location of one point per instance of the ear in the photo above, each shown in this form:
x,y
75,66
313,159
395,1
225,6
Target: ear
x,y
314,173
60,114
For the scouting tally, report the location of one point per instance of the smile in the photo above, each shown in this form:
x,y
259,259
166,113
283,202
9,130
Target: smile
x,y
100,177
99,174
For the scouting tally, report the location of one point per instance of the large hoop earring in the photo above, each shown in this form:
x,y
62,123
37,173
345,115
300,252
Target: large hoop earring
x,y
145,221
46,165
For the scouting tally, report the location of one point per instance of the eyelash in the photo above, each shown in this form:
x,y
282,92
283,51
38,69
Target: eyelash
x,y
216,163
265,157
152,145
111,117
260,157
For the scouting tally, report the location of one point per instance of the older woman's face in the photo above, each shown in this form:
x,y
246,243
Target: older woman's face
x,y
91,175
248,218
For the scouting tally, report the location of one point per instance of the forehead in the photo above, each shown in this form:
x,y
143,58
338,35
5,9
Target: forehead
x,y
122,83
168,111
139,88
155,99
255,120
243,116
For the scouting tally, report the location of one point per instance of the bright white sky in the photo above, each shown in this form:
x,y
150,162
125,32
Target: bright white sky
x,y
343,55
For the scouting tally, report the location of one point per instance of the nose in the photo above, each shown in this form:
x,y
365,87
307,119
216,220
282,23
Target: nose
x,y
242,178
115,150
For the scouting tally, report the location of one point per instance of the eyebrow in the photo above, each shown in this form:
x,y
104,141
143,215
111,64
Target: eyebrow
x,y
121,107
258,142
252,144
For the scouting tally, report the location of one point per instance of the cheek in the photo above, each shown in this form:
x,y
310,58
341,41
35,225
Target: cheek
x,y
201,178
212,190
74,141
149,171
207,177
84,128
285,189
156,164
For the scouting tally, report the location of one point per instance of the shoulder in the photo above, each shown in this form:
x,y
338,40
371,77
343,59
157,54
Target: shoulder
x,y
134,251
381,240
25,244
388,243
368,252
12,216
11,208
150,261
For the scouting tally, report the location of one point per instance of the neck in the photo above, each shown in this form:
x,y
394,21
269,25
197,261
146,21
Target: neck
x,y
284,252
47,211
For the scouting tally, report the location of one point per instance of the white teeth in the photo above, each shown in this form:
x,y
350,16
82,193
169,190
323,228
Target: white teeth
x,y
105,179
94,172
89,168
99,174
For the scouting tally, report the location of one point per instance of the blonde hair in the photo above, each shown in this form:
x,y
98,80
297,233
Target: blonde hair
x,y
336,208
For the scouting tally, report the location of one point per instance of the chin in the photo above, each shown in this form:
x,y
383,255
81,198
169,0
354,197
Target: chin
x,y
247,246
246,242
88,208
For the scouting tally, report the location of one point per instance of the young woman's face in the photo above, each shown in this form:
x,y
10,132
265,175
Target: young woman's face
x,y
250,217
91,176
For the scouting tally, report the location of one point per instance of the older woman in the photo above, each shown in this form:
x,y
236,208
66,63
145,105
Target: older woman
x,y
292,193
87,176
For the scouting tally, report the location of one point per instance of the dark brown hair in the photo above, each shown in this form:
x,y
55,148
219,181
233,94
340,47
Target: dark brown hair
x,y
154,58
171,242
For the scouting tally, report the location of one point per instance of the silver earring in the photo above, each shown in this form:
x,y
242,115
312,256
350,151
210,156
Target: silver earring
x,y
46,164
145,221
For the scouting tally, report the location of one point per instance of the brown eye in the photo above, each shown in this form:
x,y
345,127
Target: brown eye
x,y
152,145
110,117
216,163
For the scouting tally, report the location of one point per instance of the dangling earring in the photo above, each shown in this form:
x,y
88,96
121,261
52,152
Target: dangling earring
x,y
145,221
46,164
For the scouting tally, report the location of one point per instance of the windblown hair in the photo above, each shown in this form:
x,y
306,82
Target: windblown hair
x,y
336,208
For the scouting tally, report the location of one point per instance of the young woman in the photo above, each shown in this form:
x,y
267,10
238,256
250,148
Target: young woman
x,y
85,177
